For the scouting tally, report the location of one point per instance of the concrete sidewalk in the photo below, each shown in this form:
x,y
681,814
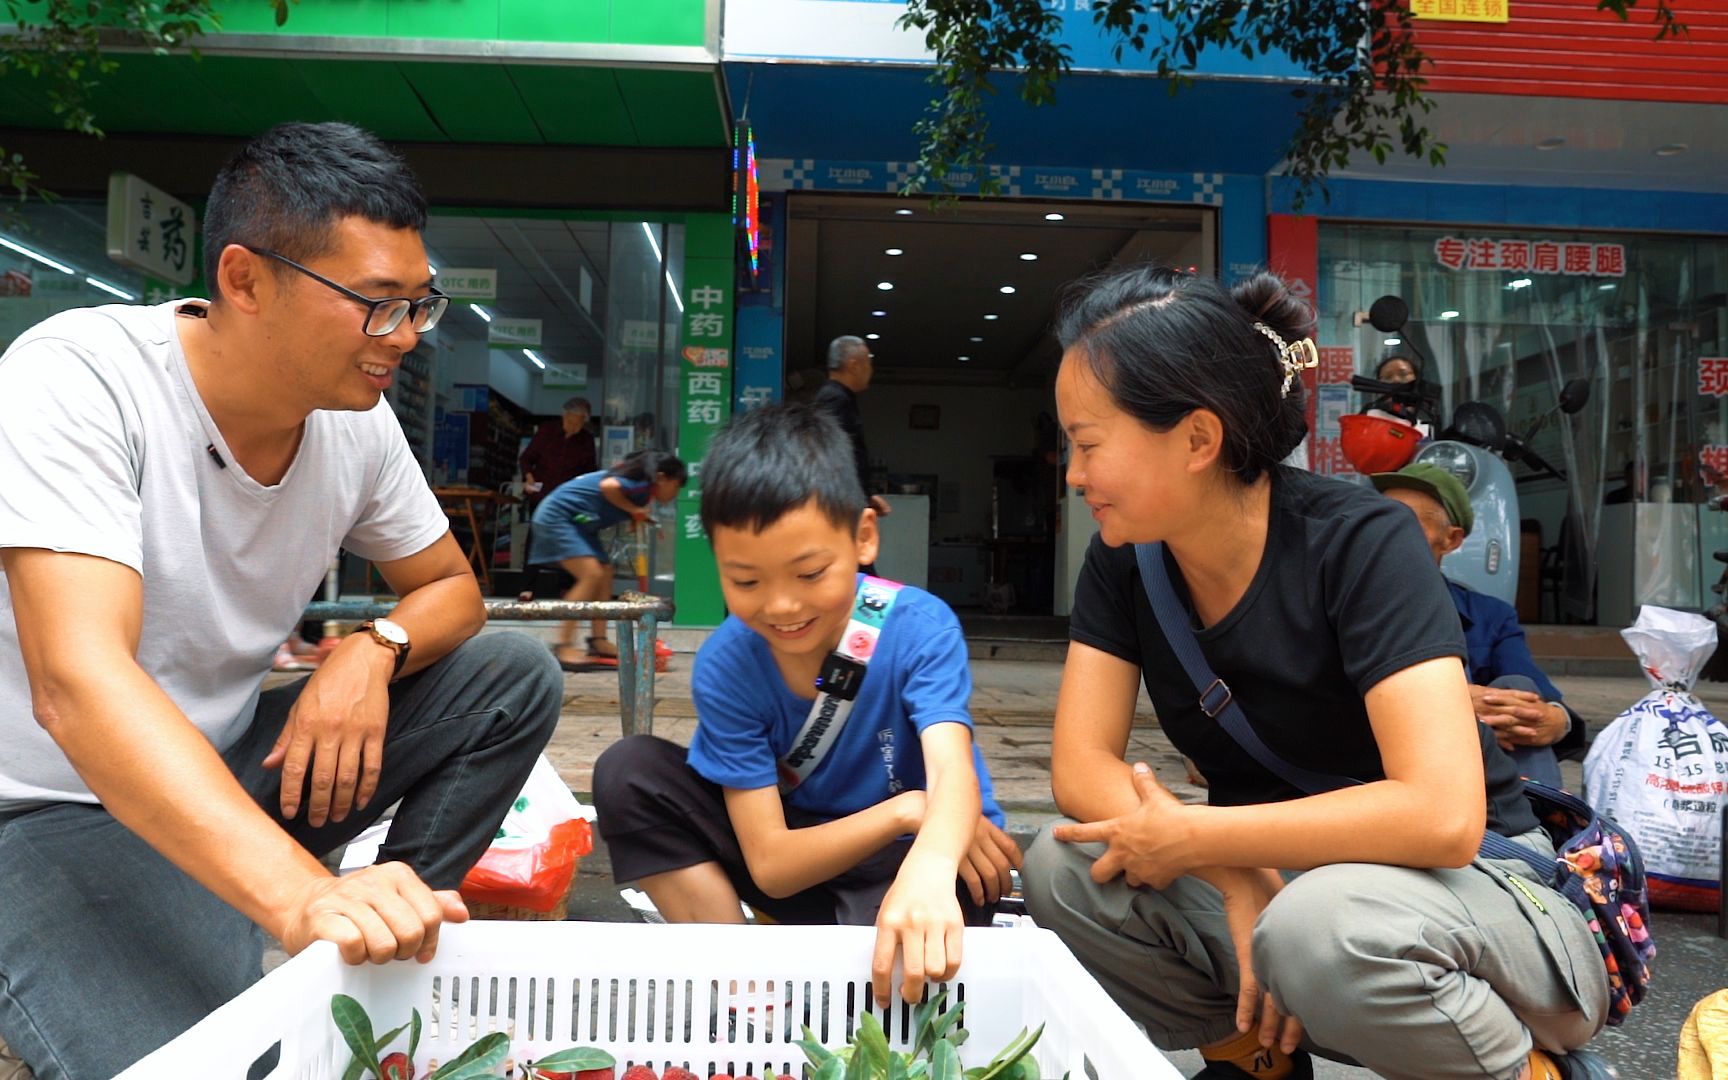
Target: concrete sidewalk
x,y
1013,703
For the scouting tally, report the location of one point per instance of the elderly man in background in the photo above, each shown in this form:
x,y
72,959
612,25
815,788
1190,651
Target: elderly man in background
x,y
560,450
1510,693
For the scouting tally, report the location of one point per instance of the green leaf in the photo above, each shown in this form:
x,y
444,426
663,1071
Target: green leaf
x,y
948,1020
356,1028
858,1068
413,1033
832,1069
872,1043
480,1060
576,1059
355,1070
923,1018
383,1041
1012,1053
818,1054
945,1062
897,1067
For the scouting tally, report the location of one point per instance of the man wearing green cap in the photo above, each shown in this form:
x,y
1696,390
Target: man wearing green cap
x,y
1510,692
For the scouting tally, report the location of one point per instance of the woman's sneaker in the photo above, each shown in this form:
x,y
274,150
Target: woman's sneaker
x,y
1224,1070
1583,1065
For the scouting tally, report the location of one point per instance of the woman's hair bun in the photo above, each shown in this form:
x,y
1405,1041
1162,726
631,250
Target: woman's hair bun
x,y
1268,300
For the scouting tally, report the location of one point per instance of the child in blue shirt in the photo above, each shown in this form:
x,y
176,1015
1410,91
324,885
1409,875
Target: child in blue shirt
x,y
567,526
895,824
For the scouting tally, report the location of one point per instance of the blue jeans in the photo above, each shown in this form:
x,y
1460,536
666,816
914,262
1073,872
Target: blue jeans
x,y
108,951
1536,763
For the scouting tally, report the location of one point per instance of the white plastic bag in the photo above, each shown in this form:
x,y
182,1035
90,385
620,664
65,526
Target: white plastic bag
x,y
1660,770
532,859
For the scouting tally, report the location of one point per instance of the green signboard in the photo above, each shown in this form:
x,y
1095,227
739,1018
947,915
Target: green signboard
x,y
704,404
634,22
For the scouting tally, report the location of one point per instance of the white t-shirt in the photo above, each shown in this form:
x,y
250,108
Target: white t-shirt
x,y
104,451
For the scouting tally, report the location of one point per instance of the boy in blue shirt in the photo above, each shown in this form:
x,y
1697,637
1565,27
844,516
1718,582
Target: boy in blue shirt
x,y
812,815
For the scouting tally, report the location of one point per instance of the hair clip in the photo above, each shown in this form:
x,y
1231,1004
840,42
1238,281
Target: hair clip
x,y
1293,356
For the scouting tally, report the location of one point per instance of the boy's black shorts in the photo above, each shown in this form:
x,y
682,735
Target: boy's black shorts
x,y
657,814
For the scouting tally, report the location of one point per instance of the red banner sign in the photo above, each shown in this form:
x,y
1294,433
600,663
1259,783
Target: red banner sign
x,y
1576,259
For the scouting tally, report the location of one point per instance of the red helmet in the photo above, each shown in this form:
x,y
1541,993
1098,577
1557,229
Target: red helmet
x,y
1374,444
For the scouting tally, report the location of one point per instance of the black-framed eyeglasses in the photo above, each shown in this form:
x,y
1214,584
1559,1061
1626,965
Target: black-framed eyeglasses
x,y
384,315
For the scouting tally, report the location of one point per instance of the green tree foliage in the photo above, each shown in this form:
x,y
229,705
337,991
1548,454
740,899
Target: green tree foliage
x,y
1366,65
64,45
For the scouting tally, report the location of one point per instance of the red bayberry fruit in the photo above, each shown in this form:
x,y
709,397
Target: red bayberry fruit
x,y
586,1074
639,1072
677,1072
397,1067
721,1076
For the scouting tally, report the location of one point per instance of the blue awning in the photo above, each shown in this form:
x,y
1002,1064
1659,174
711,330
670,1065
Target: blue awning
x,y
853,112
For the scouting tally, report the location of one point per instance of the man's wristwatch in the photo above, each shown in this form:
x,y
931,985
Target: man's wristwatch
x,y
391,636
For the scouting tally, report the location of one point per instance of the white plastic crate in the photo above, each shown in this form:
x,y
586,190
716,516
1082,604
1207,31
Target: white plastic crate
x,y
709,998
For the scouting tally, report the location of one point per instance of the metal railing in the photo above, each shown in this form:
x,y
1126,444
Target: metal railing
x,y
635,647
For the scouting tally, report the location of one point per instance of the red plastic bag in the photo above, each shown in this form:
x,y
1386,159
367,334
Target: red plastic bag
x,y
533,859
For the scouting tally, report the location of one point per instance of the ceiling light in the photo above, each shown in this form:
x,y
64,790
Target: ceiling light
x,y
894,251
109,289
1606,285
37,255
885,286
1670,149
904,212
963,359
1448,314
673,285
485,316
991,318
977,339
874,337
1027,256
1008,289
879,314
1394,341
539,363
1052,217
1554,142
1519,283
653,242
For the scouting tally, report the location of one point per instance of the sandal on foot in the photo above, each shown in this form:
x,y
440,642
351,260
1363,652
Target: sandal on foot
x,y
610,652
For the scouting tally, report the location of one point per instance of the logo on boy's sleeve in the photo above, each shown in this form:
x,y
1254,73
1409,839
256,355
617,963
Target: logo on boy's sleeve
x,y
885,746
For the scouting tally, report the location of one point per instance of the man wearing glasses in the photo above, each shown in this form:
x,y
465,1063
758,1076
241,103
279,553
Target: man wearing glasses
x,y
174,480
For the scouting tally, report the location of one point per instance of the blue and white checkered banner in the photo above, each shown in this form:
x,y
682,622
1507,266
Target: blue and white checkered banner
x,y
1018,181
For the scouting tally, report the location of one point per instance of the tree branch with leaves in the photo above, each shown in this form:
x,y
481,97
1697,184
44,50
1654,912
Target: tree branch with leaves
x,y
1364,92
61,44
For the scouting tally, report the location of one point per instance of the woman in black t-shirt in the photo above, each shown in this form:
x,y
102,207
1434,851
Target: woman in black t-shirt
x,y
1317,603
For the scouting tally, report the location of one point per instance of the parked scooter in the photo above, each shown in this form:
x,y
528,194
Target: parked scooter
x,y
1477,449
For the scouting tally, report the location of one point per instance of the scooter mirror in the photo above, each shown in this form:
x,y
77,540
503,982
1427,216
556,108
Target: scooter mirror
x,y
1479,423
1574,395
1389,314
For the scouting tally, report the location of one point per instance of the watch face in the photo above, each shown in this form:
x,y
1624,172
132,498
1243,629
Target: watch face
x,y
390,631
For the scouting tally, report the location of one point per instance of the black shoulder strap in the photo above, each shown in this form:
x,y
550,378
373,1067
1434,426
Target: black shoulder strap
x,y
1216,700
